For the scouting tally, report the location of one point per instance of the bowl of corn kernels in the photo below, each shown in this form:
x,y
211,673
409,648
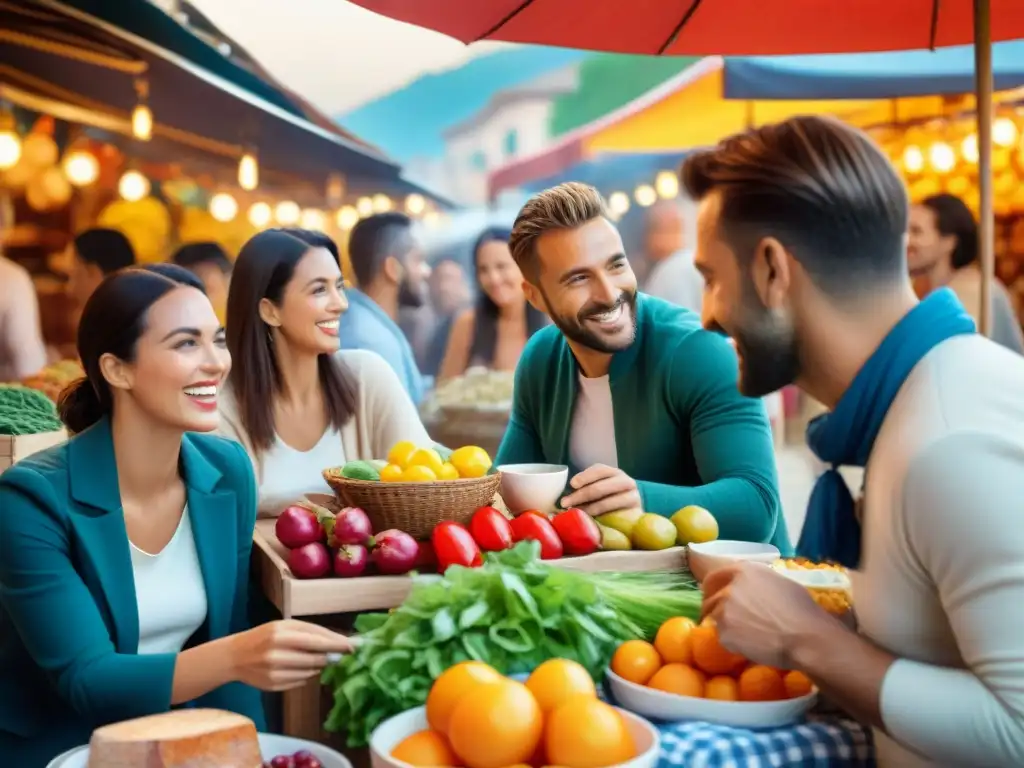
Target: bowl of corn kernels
x,y
828,583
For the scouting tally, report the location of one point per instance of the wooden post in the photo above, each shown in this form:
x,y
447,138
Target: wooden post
x,y
983,104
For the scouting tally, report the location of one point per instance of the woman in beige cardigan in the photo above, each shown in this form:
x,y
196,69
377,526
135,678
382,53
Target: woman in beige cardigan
x,y
294,401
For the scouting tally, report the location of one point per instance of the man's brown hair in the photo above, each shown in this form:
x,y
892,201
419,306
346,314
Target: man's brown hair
x,y
566,206
820,187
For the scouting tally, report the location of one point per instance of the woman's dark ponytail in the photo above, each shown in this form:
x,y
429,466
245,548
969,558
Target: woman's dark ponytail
x,y
79,406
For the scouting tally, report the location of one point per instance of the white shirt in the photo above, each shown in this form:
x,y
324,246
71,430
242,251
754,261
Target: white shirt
x,y
288,474
169,591
22,352
592,435
677,280
941,581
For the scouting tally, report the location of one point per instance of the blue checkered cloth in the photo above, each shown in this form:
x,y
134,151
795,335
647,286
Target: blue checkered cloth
x,y
820,742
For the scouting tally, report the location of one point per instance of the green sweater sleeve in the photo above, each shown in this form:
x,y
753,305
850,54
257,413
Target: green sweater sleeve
x,y
521,443
56,617
732,443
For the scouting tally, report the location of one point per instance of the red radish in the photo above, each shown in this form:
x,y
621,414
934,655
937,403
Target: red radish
x,y
310,561
394,552
298,526
426,560
351,526
491,530
350,560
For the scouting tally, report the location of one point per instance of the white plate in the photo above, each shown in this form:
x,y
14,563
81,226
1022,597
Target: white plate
x,y
390,733
271,745
672,708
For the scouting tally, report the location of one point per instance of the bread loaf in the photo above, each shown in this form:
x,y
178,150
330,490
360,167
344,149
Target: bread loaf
x,y
185,738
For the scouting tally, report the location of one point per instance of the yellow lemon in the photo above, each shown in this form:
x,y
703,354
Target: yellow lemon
x,y
416,473
400,453
448,472
471,461
392,473
427,457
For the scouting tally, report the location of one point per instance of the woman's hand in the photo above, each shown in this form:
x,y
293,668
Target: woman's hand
x,y
281,655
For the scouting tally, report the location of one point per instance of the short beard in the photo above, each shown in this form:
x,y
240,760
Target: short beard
x,y
573,328
408,296
767,344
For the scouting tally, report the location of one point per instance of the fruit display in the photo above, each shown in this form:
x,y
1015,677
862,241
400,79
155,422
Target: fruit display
x,y
52,380
635,529
513,612
828,583
479,718
25,411
687,659
409,463
301,759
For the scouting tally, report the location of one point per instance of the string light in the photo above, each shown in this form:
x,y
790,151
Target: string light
x,y
347,217
618,203
10,149
142,117
913,159
248,172
81,167
381,203
260,214
287,213
415,204
364,206
969,148
941,157
311,218
645,195
133,186
1004,132
223,207
667,185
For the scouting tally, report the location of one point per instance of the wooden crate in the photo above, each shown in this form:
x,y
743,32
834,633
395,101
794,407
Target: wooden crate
x,y
14,448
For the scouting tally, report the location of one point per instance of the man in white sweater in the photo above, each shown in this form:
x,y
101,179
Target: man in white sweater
x,y
801,241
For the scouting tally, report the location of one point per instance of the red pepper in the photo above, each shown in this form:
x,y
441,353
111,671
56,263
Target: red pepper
x,y
426,560
491,530
533,525
578,531
454,545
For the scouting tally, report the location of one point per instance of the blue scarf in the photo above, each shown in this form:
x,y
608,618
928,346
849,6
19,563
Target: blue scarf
x,y
845,436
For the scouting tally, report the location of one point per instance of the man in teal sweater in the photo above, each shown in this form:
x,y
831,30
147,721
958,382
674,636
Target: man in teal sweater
x,y
628,390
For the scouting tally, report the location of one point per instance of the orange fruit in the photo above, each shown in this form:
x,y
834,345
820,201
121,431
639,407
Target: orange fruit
x,y
451,686
425,748
584,732
556,680
495,725
636,661
709,655
761,683
680,679
673,640
797,684
722,688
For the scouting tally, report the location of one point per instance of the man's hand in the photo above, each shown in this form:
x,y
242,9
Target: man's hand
x,y
761,613
601,489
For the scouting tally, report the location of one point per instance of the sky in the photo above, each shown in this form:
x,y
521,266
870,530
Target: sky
x,y
333,53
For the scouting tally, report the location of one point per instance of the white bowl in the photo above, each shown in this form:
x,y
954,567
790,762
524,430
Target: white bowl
x,y
390,734
711,555
673,708
271,745
533,486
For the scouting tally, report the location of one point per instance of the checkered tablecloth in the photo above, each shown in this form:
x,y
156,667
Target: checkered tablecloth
x,y
820,742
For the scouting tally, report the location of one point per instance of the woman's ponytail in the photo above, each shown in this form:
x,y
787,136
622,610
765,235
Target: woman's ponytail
x,y
79,406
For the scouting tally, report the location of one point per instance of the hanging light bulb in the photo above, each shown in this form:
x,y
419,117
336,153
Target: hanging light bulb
x,y
941,157
287,213
347,217
142,118
1004,132
415,204
381,203
311,218
133,186
431,218
667,184
969,148
913,159
645,195
81,167
260,214
618,203
223,207
10,142
248,172
364,206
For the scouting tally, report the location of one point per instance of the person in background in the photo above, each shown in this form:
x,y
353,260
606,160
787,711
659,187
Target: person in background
x,y
391,273
628,390
211,264
801,237
492,335
141,503
96,254
942,249
295,402
22,351
449,296
671,276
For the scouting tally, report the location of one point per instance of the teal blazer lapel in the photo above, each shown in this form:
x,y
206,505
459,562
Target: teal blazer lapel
x,y
215,529
98,521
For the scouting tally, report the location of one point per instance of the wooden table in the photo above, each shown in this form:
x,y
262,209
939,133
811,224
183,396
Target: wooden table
x,y
306,598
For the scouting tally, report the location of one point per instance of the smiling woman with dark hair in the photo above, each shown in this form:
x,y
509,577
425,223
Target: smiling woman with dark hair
x,y
295,402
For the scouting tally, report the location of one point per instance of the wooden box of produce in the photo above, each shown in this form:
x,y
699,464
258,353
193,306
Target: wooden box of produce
x,y
14,448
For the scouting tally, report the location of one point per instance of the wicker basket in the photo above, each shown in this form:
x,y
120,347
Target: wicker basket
x,y
415,507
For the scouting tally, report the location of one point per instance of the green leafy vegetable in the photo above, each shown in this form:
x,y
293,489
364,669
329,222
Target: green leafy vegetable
x,y
513,613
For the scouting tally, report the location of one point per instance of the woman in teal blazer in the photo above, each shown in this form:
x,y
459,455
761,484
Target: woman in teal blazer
x,y
87,636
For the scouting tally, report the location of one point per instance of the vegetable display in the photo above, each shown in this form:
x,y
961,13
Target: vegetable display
x,y
25,411
513,613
